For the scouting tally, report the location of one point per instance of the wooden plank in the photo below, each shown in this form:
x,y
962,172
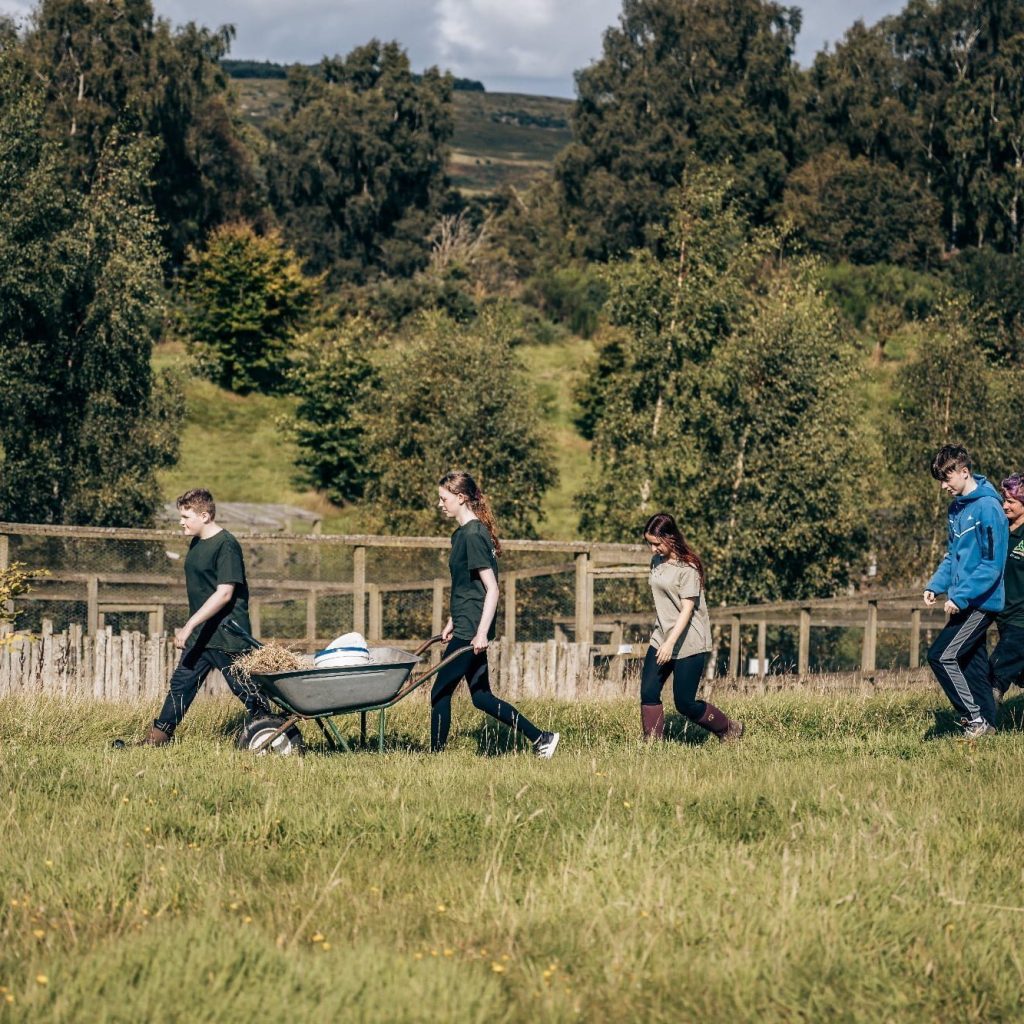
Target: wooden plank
x,y
734,646
311,615
915,638
803,657
510,607
359,590
437,609
376,603
584,617
870,644
92,597
762,648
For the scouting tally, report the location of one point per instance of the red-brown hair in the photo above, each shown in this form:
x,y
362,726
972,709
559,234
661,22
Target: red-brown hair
x,y
462,483
662,526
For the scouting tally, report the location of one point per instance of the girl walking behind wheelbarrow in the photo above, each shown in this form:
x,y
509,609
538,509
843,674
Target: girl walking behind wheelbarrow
x,y
681,638
474,601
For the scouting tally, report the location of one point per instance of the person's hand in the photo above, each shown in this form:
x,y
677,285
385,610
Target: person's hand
x,y
448,631
479,643
180,637
929,598
664,653
952,608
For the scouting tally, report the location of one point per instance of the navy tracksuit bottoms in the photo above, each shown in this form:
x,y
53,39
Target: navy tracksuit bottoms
x,y
959,659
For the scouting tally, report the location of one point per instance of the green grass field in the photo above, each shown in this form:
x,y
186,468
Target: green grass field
x,y
837,865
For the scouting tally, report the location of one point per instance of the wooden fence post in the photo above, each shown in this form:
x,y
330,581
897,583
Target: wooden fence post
x,y
870,649
359,590
437,608
374,627
734,647
92,597
803,657
5,561
762,648
584,602
311,615
510,607
915,638
254,616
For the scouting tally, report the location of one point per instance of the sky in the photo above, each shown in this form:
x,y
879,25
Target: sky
x,y
530,46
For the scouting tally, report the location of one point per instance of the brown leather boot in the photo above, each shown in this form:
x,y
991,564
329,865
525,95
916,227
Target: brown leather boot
x,y
717,721
156,737
653,718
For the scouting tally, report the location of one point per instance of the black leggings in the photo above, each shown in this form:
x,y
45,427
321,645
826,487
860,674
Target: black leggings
x,y
473,668
686,674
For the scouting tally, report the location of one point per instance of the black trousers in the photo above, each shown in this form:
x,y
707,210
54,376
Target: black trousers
x,y
686,674
195,665
959,659
1006,663
473,668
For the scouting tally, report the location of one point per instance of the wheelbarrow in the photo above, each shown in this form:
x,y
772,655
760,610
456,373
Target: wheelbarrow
x,y
321,694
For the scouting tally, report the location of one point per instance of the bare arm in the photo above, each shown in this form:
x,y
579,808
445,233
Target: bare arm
x,y
215,603
490,582
686,607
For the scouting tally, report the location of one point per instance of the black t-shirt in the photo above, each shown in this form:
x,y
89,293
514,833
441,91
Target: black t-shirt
x,y
210,562
1013,611
472,550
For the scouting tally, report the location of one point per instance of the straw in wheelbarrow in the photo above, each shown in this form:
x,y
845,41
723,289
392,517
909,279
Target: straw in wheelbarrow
x,y
266,660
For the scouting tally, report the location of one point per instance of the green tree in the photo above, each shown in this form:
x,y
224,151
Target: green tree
x,y
679,82
114,66
730,403
456,397
947,392
332,378
852,209
243,301
83,425
356,166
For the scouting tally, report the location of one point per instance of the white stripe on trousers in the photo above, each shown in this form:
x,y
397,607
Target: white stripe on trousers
x,y
952,666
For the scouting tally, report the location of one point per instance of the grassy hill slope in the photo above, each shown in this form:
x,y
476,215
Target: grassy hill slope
x,y
500,138
238,447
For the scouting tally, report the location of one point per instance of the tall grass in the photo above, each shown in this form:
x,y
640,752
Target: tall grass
x,y
850,860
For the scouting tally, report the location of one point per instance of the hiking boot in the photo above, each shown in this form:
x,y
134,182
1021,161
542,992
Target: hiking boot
x,y
156,738
545,744
978,730
733,732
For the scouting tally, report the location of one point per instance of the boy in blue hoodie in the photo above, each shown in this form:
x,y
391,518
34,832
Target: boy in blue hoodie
x,y
971,577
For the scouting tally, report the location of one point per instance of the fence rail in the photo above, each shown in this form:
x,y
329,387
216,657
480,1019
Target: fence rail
x,y
307,588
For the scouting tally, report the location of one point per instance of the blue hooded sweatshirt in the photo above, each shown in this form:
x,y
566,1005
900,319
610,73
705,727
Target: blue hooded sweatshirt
x,y
971,574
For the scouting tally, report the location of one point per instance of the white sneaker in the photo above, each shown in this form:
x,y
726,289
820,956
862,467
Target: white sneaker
x,y
978,729
545,744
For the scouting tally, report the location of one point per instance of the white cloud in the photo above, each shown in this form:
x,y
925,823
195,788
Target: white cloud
x,y
517,45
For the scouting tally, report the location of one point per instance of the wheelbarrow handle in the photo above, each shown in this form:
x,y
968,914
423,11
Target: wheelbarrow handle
x,y
233,627
427,644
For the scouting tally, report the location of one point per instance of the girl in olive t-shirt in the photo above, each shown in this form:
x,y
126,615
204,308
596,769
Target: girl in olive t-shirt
x,y
474,600
681,638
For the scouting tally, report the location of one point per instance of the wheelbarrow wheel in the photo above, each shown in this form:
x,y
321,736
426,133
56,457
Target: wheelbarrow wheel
x,y
255,734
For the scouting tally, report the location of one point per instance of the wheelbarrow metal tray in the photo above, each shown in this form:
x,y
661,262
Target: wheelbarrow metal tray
x,y
321,691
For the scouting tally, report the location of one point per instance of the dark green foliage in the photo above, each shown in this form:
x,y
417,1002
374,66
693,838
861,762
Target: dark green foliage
x,y
114,66
680,82
860,292
572,296
995,283
243,300
949,392
864,212
356,167
728,400
332,377
456,398
83,425
254,68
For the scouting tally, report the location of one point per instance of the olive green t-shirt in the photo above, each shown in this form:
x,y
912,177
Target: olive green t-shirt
x,y
671,584
472,550
1013,580
210,562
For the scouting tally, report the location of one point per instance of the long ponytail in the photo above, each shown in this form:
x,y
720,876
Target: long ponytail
x,y
462,483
